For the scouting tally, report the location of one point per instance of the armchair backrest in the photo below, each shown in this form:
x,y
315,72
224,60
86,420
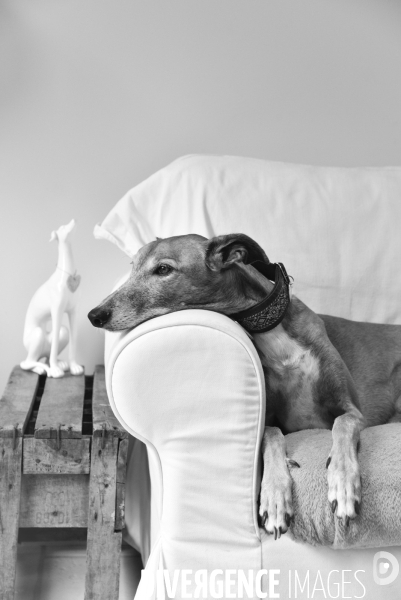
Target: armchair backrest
x,y
337,230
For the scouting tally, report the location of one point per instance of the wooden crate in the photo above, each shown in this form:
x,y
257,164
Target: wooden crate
x,y
62,464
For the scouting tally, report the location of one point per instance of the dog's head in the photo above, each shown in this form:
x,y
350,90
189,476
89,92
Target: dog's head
x,y
185,272
63,232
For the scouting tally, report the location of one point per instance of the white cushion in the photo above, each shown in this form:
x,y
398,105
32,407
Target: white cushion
x,y
335,573
336,230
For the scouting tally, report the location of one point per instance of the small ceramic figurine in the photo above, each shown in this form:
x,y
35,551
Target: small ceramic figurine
x,y
55,297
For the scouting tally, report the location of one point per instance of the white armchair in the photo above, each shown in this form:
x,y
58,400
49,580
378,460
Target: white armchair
x,y
190,385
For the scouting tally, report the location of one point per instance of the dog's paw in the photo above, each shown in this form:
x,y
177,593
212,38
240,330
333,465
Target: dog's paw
x,y
344,483
41,370
275,511
36,367
55,371
76,369
63,365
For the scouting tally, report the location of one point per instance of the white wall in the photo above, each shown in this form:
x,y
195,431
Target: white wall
x,y
98,94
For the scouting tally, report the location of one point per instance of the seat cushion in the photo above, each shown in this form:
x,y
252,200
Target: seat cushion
x,y
321,572
379,522
361,561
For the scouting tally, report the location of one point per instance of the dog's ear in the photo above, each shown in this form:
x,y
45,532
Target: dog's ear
x,y
53,236
224,251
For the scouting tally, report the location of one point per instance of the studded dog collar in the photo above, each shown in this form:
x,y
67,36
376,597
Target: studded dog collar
x,y
268,313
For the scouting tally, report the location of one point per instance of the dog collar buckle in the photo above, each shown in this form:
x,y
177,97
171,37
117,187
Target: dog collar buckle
x,y
284,273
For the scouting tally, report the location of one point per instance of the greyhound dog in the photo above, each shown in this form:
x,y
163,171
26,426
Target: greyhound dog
x,y
50,301
320,371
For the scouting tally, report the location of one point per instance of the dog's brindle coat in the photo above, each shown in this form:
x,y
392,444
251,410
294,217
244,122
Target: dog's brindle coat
x,y
320,371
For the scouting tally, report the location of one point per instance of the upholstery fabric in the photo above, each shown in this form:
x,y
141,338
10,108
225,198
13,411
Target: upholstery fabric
x,y
379,523
331,227
200,413
190,385
327,573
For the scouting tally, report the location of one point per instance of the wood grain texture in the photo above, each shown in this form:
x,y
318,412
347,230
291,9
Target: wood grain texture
x,y
104,422
17,401
10,484
61,408
104,544
54,501
69,480
120,507
120,494
122,460
43,456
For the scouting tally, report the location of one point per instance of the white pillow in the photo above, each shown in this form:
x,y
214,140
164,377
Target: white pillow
x,y
337,230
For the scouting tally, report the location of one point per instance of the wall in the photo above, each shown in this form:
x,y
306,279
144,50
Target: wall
x,y
97,95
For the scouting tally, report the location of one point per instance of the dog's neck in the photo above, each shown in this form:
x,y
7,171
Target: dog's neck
x,y
270,309
283,345
65,260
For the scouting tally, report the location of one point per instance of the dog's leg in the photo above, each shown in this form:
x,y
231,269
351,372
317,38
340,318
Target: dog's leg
x,y
63,339
75,368
275,510
343,467
35,366
36,345
57,313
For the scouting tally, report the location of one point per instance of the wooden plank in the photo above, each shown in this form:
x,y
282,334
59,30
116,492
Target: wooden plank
x,y
104,544
61,408
17,401
122,460
104,421
44,536
54,501
10,485
120,494
120,507
45,456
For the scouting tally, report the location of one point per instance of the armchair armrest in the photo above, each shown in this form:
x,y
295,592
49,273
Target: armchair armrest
x,y
190,386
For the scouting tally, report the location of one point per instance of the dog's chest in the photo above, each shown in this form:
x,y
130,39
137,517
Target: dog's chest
x,y
292,372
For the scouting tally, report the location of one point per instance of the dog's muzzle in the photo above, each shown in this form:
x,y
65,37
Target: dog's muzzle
x,y
99,317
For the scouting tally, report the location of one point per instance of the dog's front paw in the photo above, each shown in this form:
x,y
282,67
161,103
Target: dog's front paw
x,y
36,367
344,487
76,369
55,371
275,511
63,365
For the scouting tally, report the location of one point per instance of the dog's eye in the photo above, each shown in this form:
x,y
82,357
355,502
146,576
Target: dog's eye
x,y
163,270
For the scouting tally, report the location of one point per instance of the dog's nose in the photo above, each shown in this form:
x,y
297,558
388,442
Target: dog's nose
x,y
99,317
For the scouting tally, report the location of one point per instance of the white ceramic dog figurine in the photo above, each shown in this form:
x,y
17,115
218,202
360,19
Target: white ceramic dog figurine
x,y
55,297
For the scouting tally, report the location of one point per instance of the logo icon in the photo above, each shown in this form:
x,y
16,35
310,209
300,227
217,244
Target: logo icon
x,y
385,568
